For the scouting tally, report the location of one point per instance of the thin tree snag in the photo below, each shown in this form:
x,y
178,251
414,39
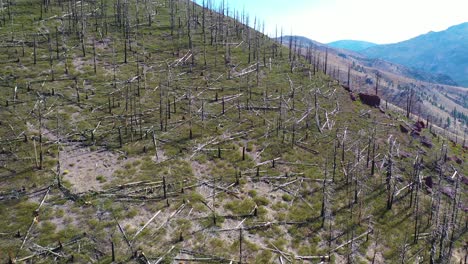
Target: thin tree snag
x,y
155,145
317,117
113,251
454,214
127,241
164,187
390,181
35,153
240,245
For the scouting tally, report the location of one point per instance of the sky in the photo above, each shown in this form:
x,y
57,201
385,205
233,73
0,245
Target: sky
x,y
378,21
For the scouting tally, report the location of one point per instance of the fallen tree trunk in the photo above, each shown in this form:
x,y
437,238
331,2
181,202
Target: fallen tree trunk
x,y
352,240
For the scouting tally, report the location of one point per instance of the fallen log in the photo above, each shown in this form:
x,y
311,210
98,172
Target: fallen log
x,y
350,241
170,217
202,257
36,214
325,257
223,189
54,249
147,223
165,254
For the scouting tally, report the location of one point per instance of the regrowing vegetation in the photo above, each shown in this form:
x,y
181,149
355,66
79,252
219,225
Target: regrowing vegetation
x,y
166,132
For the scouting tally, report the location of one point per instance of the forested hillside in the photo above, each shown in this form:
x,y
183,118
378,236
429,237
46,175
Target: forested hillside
x,y
166,132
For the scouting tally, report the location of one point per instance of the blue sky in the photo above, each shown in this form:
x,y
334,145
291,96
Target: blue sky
x,y
379,21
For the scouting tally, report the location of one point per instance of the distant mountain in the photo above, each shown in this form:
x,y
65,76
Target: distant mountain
x,y
303,41
437,94
353,45
444,52
376,63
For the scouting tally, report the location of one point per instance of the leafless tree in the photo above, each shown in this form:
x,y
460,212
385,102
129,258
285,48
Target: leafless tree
x,y
390,181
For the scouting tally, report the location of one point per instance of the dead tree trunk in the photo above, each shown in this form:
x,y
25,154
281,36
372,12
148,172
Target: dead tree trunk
x,y
409,102
389,178
453,217
417,184
240,246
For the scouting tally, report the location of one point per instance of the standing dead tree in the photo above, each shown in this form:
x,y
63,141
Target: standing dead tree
x,y
377,82
390,178
416,186
409,102
454,215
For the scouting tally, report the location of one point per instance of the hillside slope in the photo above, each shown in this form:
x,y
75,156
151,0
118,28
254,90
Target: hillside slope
x,y
444,52
435,97
164,132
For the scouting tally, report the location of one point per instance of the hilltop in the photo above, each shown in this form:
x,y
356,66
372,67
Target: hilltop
x,y
303,41
166,132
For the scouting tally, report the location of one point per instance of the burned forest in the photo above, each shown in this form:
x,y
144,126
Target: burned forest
x,y
136,131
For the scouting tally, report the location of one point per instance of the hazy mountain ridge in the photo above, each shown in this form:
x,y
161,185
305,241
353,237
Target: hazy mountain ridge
x,y
301,40
444,52
378,63
353,45
435,91
417,74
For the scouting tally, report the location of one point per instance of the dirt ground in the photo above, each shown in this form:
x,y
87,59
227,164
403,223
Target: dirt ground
x,y
88,170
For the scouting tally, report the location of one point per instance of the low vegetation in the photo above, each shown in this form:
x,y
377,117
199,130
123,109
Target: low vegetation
x,y
160,132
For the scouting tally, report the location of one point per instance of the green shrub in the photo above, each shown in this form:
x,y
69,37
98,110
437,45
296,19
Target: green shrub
x,y
286,197
101,178
243,207
261,200
252,193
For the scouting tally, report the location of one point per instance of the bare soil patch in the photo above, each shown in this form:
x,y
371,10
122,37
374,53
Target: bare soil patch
x,y
89,170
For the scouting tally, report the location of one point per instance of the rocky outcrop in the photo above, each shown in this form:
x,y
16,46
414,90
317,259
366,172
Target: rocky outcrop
x,y
456,159
369,99
404,129
419,126
464,180
426,142
428,182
